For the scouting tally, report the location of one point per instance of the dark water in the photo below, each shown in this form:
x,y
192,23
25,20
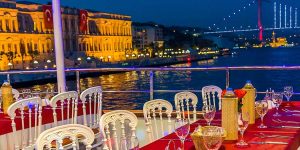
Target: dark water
x,y
187,80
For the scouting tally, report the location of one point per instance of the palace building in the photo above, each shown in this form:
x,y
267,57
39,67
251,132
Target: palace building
x,y
26,33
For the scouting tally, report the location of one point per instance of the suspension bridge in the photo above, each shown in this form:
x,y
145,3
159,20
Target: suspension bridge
x,y
285,17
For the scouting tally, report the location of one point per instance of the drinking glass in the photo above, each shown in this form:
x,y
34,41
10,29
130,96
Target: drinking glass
x,y
129,143
182,129
212,137
169,147
288,92
277,100
243,121
262,109
209,112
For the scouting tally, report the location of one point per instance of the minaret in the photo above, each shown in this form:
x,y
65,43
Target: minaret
x,y
274,37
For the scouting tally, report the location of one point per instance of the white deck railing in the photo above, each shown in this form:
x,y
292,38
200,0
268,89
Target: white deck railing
x,y
151,90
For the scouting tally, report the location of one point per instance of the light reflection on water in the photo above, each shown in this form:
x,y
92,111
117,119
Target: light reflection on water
x,y
195,80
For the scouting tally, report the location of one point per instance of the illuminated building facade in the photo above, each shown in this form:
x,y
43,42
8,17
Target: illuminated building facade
x,y
26,34
147,34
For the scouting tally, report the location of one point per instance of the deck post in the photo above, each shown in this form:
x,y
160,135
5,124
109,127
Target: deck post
x,y
227,78
8,78
59,48
78,81
151,85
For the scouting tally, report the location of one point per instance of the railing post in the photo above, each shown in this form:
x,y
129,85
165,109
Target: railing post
x,y
78,81
8,78
227,78
151,85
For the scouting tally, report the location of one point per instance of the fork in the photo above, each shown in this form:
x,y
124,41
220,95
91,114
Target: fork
x,y
262,136
292,111
282,121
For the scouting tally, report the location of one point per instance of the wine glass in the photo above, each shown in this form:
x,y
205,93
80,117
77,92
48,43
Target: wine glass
x,y
288,92
277,100
262,109
243,121
169,147
182,129
212,137
209,112
129,143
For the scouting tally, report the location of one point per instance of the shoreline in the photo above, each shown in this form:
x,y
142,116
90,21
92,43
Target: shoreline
x,y
39,79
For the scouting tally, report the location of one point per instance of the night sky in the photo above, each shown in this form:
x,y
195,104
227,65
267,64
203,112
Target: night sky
x,y
201,13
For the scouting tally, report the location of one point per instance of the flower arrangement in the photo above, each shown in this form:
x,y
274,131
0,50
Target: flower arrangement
x,y
239,93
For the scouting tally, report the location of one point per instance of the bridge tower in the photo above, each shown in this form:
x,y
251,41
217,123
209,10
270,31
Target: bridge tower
x,y
260,27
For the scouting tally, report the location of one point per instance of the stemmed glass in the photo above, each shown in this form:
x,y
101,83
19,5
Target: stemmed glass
x,y
182,129
212,137
243,121
209,112
129,143
262,109
169,147
277,100
288,92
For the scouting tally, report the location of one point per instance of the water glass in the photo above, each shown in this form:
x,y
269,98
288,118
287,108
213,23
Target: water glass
x,y
277,100
212,137
288,92
262,109
26,93
243,122
209,112
182,129
129,143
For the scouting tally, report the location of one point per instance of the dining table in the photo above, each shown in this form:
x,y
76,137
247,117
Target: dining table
x,y
282,132
7,137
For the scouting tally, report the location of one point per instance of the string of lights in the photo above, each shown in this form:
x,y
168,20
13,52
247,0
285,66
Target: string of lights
x,y
230,16
279,18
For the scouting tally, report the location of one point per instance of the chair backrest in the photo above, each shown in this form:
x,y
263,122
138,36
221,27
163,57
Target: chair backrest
x,y
155,108
30,112
112,118
67,101
209,95
16,94
186,99
93,98
69,131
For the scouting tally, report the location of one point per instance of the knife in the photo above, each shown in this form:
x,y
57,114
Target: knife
x,y
294,127
269,142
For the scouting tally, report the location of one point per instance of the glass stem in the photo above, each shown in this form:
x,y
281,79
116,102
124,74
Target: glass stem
x,y
262,121
242,136
277,110
182,144
208,123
